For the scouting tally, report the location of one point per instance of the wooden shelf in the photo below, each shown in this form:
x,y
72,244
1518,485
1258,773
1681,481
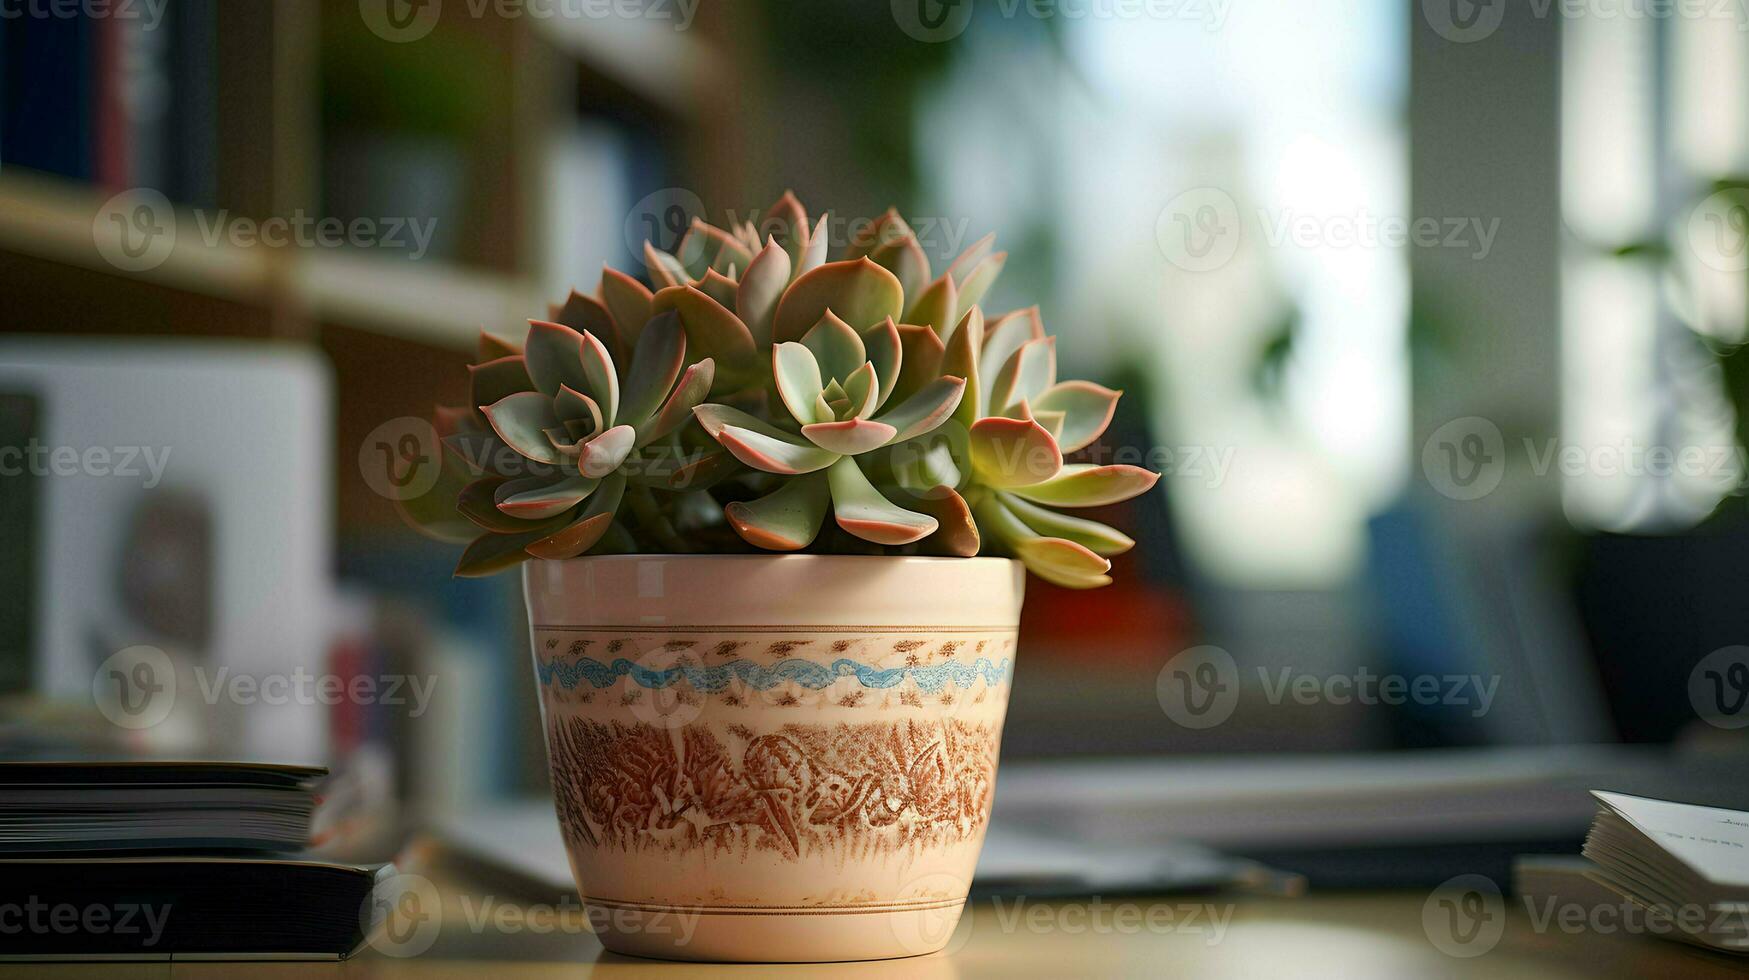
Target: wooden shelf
x,y
56,219
649,57
433,303
429,302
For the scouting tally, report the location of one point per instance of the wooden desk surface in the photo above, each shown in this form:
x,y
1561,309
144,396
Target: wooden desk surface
x,y
1351,935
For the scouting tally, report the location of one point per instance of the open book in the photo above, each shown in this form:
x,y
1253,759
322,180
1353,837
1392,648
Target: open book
x,y
1686,866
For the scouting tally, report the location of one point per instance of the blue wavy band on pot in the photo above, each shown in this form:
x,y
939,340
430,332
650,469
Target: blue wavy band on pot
x,y
807,673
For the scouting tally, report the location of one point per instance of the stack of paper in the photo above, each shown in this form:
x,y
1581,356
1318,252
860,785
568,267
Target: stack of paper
x,y
1686,867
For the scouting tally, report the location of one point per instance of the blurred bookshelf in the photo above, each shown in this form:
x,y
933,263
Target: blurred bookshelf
x,y
491,128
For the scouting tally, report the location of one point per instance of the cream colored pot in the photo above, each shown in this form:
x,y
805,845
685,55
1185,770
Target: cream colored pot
x,y
773,758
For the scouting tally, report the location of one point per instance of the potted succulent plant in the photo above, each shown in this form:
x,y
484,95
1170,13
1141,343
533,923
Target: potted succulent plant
x,y
773,735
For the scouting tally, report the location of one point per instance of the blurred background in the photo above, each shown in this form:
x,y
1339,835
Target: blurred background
x,y
1429,313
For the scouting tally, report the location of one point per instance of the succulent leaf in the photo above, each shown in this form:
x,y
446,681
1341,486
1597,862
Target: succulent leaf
x,y
542,502
961,361
1086,408
586,314
788,519
582,535
904,258
815,254
711,330
974,286
862,391
692,388
482,453
1055,560
836,346
492,347
786,223
937,307
478,503
1012,452
495,380
656,364
925,410
629,302
493,553
774,454
884,230
554,357
600,377
859,292
715,417
1087,485
849,437
604,453
720,287
665,270
886,351
521,420
922,465
761,286
920,354
571,405
1031,370
799,382
1092,535
963,264
1006,334
958,532
861,510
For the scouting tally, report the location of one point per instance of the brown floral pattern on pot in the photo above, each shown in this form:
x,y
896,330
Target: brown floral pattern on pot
x,y
857,789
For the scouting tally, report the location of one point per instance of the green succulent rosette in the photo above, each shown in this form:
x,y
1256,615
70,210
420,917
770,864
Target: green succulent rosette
x,y
752,387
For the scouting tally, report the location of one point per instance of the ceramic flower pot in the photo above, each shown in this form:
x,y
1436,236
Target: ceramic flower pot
x,y
773,758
